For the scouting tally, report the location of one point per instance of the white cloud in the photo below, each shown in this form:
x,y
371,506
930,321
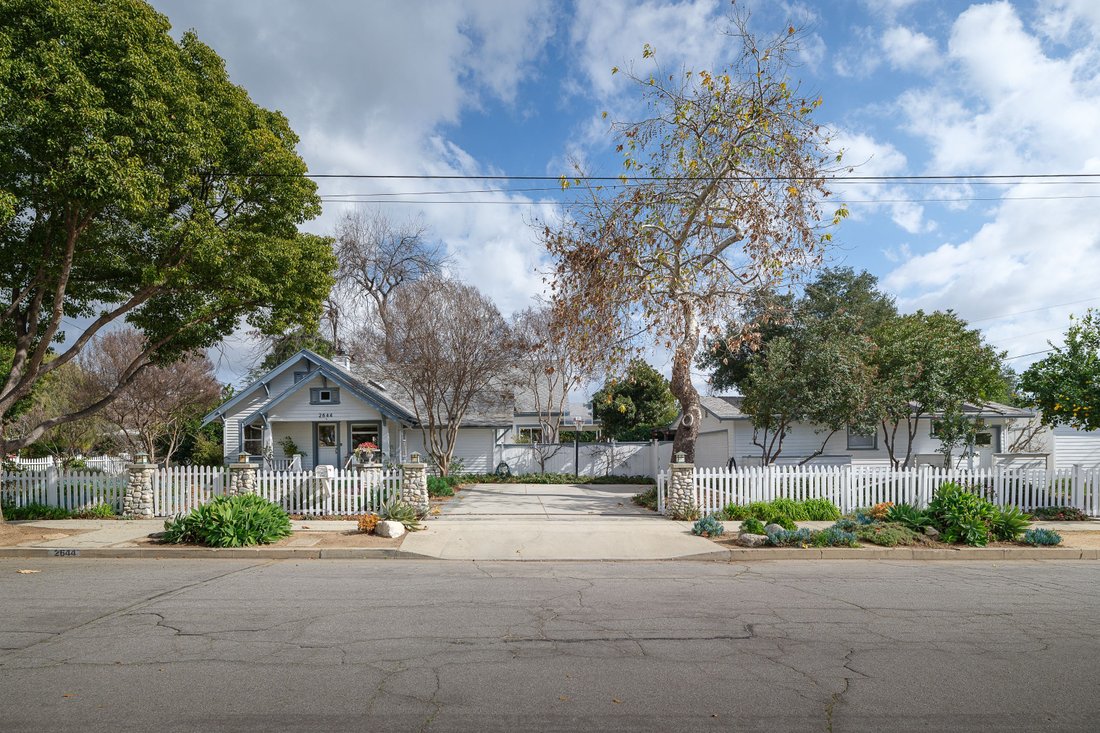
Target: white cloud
x,y
909,50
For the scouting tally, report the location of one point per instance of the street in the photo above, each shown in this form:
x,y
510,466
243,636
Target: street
x,y
109,645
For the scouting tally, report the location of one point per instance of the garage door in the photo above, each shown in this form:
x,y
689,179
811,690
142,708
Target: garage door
x,y
712,449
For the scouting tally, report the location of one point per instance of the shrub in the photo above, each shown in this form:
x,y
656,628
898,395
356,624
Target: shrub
x,y
367,522
438,486
789,508
1060,514
752,525
34,510
230,521
708,526
735,512
821,510
863,516
887,534
847,524
613,479
879,511
401,511
833,537
98,511
647,498
790,538
961,516
1008,524
1042,537
783,521
909,516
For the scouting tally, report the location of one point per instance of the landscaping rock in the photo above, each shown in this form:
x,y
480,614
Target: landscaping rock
x,y
932,532
752,540
772,528
389,528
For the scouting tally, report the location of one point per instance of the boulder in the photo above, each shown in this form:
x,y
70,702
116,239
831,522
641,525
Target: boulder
x,y
772,528
932,532
752,540
389,528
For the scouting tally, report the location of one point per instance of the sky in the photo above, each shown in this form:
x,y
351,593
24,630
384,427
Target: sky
x,y
518,87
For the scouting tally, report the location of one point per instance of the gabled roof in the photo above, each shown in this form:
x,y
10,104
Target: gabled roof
x,y
729,408
325,367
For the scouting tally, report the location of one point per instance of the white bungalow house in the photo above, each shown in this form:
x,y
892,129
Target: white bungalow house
x,y
726,436
323,408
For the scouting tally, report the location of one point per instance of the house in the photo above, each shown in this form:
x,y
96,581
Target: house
x,y
726,436
322,408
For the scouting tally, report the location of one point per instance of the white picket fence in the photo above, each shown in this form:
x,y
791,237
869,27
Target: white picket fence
x,y
108,464
587,459
70,490
851,487
180,489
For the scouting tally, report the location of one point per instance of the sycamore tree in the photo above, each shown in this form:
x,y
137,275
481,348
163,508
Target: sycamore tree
x,y
140,186
1065,386
928,365
720,194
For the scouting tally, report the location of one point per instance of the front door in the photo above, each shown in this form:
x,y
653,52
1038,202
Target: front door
x,y
328,448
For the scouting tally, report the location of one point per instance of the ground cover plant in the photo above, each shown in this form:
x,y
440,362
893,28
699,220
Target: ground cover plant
x,y
1042,537
230,521
784,512
367,522
708,526
549,478
440,486
34,510
888,534
752,525
647,498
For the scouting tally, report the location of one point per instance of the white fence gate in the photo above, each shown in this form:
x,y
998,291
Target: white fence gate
x,y
851,487
180,489
329,491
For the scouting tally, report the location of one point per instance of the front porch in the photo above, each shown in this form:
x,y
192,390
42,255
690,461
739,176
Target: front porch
x,y
303,445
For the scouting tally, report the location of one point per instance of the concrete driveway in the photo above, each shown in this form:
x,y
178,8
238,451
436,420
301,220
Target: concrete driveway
x,y
553,522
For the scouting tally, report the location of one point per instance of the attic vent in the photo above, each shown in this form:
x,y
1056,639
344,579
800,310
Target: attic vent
x,y
377,385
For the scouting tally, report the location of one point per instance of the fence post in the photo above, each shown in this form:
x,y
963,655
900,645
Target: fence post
x,y
242,477
846,488
654,458
414,482
138,499
1078,494
681,499
53,485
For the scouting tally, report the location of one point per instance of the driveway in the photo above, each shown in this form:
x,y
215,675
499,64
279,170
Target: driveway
x,y
553,522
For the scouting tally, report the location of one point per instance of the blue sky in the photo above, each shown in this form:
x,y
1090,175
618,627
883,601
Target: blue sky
x,y
910,87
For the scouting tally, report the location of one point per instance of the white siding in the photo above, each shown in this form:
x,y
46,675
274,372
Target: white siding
x,y
297,407
1073,446
712,449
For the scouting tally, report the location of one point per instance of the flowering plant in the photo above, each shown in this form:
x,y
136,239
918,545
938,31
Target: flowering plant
x,y
365,450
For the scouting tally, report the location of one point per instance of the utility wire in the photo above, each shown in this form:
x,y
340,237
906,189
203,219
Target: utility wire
x,y
332,199
501,177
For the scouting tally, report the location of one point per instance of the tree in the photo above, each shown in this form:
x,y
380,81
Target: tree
x,y
277,348
140,186
929,364
1065,386
811,362
154,411
632,407
721,188
446,346
62,392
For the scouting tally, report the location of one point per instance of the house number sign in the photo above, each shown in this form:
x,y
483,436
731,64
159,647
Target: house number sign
x,y
323,415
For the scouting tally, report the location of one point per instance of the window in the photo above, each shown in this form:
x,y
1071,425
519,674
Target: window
x,y
324,396
529,435
326,435
299,376
365,433
862,442
253,440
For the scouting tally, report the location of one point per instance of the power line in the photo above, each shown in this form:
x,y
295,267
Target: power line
x,y
1033,310
503,177
1033,353
346,199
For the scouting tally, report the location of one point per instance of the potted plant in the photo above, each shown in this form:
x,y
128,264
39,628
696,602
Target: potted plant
x,y
367,452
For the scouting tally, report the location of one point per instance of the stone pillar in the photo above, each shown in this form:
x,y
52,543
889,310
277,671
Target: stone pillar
x,y
242,478
414,483
370,473
138,499
680,501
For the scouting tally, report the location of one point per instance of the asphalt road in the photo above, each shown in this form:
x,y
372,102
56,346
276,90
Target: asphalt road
x,y
220,645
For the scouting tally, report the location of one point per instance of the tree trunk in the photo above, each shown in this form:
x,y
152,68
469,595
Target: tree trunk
x,y
690,410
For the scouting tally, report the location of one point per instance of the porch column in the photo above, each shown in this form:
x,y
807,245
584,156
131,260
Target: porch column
x,y
137,501
242,477
681,488
414,482
384,437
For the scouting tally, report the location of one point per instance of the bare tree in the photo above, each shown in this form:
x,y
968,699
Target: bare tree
x,y
155,409
63,392
376,257
446,346
722,185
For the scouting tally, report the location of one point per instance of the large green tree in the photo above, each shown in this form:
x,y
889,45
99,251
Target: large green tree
x,y
929,365
724,177
633,406
1065,386
139,185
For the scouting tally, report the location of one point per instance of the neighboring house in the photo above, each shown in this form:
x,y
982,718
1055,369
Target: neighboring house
x,y
726,433
534,418
327,408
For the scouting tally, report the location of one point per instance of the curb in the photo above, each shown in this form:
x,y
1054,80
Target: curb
x,y
730,555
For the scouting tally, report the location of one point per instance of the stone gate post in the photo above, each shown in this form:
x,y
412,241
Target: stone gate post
x,y
242,477
414,482
137,501
681,488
